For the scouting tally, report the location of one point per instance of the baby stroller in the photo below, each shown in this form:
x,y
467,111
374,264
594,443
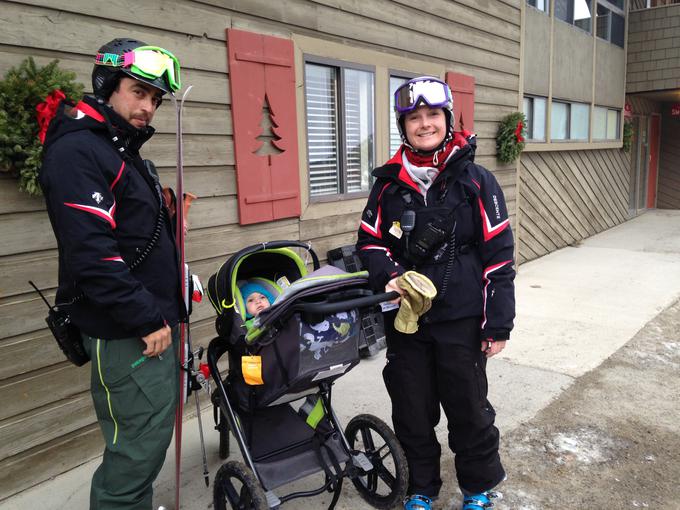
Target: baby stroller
x,y
290,354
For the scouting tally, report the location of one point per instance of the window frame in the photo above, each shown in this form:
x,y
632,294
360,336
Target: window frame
x,y
572,21
606,110
546,3
341,141
611,9
569,138
530,118
571,123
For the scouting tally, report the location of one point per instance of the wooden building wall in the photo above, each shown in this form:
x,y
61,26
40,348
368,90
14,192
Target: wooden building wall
x,y
567,196
669,162
46,420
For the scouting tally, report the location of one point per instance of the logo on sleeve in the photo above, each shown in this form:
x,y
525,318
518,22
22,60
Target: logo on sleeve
x,y
98,197
497,207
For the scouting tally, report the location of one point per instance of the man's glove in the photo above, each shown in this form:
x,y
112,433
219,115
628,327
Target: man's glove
x,y
419,291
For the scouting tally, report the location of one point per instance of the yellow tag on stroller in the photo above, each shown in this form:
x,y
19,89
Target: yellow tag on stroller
x,y
251,367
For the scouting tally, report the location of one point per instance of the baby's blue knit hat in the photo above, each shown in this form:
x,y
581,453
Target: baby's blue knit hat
x,y
250,287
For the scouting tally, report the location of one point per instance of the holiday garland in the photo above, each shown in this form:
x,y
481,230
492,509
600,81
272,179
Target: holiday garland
x,y
29,97
627,135
510,137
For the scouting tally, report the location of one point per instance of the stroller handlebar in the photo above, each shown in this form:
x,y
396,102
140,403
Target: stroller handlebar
x,y
339,306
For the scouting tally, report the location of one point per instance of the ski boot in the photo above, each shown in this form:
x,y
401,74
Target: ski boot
x,y
480,501
417,502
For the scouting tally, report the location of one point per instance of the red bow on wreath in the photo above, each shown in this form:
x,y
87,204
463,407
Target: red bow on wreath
x,y
518,132
47,110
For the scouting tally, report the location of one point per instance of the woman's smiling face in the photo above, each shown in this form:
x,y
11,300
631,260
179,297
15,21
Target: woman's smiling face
x,y
425,128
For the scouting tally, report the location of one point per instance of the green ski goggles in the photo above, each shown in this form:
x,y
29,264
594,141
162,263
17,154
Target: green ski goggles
x,y
147,61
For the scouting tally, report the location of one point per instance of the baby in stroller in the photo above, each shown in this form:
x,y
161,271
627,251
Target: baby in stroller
x,y
256,297
301,337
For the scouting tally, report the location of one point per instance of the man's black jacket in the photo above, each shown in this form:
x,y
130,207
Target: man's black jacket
x,y
480,276
103,209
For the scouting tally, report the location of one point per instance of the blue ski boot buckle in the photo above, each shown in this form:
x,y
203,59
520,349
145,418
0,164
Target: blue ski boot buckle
x,y
417,502
480,501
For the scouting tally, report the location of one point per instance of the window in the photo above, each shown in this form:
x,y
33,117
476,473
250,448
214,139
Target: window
x,y
611,23
599,123
613,117
541,5
579,121
606,123
583,15
559,121
569,121
575,12
340,128
534,111
395,139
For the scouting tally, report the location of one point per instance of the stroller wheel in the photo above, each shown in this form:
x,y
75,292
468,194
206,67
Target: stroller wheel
x,y
385,485
236,487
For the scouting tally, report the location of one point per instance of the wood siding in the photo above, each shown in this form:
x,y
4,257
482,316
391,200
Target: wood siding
x,y
47,424
669,163
570,195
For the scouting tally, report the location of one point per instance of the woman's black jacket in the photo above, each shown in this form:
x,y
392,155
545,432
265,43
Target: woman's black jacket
x,y
472,267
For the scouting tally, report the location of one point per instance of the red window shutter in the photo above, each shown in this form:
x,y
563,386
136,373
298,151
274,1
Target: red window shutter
x,y
262,79
463,89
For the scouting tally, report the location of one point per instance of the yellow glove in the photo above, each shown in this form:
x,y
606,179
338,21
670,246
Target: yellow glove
x,y
419,291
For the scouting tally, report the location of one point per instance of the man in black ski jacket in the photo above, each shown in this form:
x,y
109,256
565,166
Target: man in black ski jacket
x,y
118,263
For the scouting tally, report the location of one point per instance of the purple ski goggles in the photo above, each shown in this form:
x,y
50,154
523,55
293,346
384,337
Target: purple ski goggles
x,y
430,92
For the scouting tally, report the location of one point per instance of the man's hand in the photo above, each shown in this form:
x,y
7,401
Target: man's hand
x,y
157,341
492,348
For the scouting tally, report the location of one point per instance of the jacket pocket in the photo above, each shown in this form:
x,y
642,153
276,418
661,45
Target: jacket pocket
x,y
157,381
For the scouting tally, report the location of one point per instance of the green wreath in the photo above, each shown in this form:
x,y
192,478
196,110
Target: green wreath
x,y
29,96
627,135
510,137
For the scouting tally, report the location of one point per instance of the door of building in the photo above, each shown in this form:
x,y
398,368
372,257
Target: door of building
x,y
654,144
637,195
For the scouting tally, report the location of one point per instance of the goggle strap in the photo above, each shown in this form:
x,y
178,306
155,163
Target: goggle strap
x,y
108,59
128,58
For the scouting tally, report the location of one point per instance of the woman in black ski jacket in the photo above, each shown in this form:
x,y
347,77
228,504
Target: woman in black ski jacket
x,y
433,210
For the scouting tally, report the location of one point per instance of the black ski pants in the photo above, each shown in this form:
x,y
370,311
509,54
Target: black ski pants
x,y
442,364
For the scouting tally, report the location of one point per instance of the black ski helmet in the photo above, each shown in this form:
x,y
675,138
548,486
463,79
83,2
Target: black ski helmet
x,y
105,79
447,108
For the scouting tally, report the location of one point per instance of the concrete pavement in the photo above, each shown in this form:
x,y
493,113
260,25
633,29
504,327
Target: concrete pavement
x,y
575,308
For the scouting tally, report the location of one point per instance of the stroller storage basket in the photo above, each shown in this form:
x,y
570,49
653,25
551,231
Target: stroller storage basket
x,y
300,356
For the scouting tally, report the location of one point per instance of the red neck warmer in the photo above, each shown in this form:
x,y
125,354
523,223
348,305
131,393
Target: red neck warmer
x,y
421,160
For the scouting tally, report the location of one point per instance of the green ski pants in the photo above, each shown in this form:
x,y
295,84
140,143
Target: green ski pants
x,y
135,398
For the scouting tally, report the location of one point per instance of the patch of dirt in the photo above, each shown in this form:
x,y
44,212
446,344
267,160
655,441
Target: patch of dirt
x,y
612,440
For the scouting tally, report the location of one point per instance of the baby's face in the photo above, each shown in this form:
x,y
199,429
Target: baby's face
x,y
256,302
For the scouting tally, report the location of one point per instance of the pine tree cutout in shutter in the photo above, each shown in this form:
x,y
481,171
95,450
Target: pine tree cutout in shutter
x,y
269,135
